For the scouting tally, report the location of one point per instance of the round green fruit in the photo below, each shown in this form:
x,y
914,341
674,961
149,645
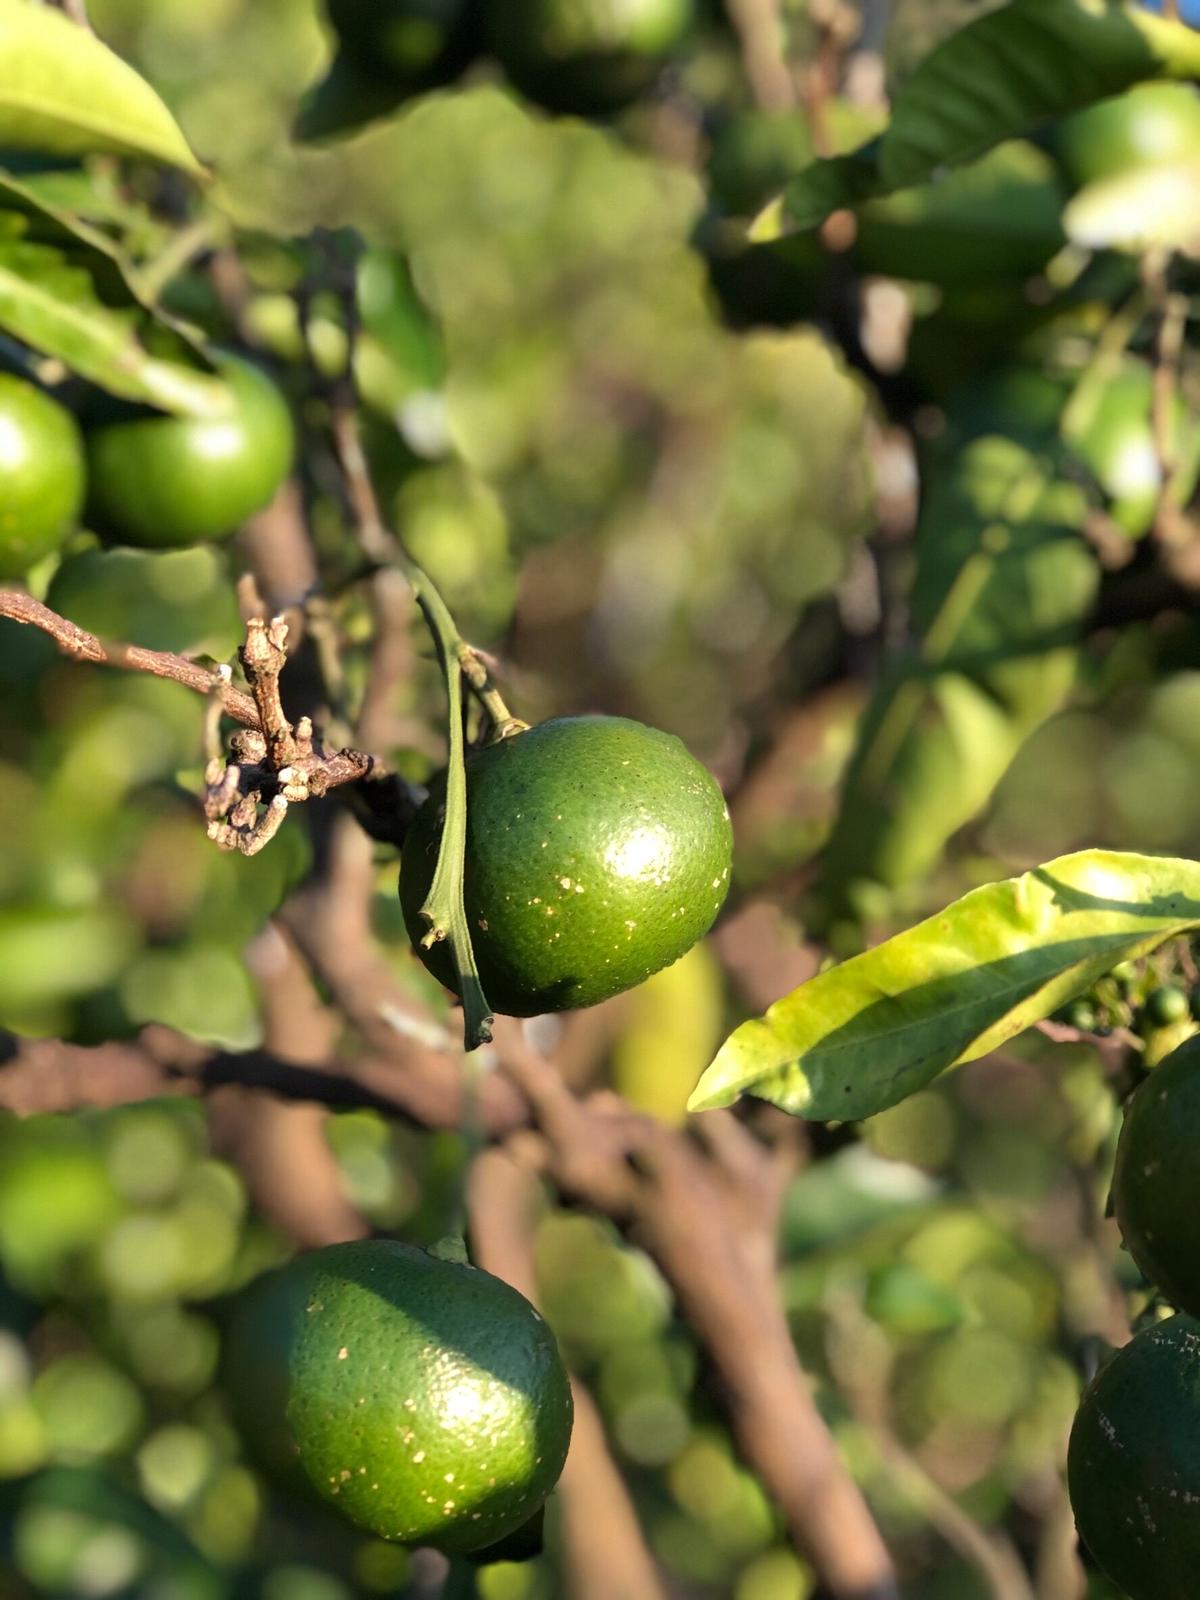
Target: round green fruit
x,y
41,475
1151,124
424,1400
1166,1005
1133,1465
585,56
598,851
158,480
414,43
1156,1179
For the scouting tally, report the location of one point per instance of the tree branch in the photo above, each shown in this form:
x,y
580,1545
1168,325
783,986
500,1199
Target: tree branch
x,y
604,1551
80,645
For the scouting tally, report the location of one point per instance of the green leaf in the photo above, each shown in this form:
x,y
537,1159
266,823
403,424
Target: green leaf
x,y
863,1036
65,292
64,93
1003,584
1004,74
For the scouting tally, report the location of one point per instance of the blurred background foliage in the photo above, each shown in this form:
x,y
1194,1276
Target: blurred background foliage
x,y
875,523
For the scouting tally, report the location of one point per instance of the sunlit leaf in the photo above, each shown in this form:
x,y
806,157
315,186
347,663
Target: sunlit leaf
x,y
63,92
863,1036
65,293
1004,74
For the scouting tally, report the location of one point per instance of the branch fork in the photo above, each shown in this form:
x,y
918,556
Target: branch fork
x,y
274,765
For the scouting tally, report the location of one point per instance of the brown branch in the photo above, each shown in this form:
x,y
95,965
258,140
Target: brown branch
x,y
682,1208
80,645
281,1147
604,1552
760,27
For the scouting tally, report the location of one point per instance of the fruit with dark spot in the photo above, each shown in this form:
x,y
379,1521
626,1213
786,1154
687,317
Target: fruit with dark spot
x,y
598,851
424,1400
158,480
1156,1179
41,475
1133,1465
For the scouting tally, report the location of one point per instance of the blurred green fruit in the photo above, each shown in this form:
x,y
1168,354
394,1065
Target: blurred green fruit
x,y
585,56
41,475
1156,1180
1113,434
1133,1465
413,43
422,1399
1152,123
158,480
1081,1014
163,599
598,851
1166,1005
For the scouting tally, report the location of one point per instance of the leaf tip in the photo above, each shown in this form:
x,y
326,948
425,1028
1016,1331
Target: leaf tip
x,y
768,225
710,1094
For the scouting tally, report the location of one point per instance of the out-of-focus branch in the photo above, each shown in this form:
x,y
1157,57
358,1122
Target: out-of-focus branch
x,y
605,1554
280,1146
760,28
679,1206
862,1359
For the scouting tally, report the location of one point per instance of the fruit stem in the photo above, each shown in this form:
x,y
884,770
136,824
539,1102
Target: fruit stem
x,y
443,909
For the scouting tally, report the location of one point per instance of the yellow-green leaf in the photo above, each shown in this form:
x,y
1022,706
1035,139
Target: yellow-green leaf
x,y
65,93
862,1036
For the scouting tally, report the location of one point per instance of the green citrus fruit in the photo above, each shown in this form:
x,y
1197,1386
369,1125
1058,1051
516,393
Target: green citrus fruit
x,y
1150,124
598,851
585,56
414,43
158,480
41,475
1114,437
1166,1005
1156,1180
1133,1466
423,1399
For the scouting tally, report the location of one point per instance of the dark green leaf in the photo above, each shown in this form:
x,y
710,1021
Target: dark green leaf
x,y
1004,74
1002,587
863,1036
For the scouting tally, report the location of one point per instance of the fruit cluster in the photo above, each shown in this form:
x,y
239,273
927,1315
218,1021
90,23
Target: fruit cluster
x,y
1134,1461
137,477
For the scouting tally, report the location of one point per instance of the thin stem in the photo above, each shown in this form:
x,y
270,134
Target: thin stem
x,y
182,248
444,909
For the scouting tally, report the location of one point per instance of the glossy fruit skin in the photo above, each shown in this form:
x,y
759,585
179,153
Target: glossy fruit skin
x,y
423,1400
1156,1178
1133,1464
1150,124
598,851
585,56
163,481
41,475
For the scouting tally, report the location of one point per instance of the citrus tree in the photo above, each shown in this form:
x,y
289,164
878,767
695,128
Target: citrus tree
x,y
538,537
